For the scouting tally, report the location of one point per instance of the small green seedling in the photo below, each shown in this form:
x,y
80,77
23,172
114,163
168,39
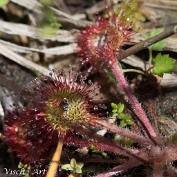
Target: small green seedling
x,y
25,169
96,150
163,64
75,168
118,113
3,2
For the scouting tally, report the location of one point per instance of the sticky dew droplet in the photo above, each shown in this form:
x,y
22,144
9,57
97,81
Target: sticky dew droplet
x,y
23,109
49,137
84,78
95,108
40,140
30,133
23,123
26,87
43,126
38,132
37,118
34,125
19,108
34,109
50,74
25,97
15,117
29,143
90,82
54,70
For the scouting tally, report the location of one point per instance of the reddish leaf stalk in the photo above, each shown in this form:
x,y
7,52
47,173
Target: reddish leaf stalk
x,y
134,102
158,169
124,132
106,147
120,168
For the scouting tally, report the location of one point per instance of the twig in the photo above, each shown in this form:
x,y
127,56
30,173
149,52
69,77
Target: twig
x,y
55,159
59,50
144,44
34,32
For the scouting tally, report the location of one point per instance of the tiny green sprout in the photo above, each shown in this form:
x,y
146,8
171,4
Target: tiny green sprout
x,y
25,169
49,24
96,150
123,141
110,76
117,112
74,167
3,3
46,2
163,64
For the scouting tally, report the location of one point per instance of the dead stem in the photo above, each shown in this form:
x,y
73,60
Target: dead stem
x,y
55,159
144,44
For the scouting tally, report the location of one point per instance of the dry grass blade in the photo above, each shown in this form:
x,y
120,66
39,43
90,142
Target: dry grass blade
x,y
165,4
36,7
31,5
34,32
61,50
55,159
22,61
169,80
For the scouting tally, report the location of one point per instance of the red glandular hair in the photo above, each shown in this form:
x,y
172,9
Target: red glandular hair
x,y
31,137
58,104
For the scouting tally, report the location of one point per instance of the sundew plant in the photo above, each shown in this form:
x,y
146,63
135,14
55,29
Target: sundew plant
x,y
64,110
